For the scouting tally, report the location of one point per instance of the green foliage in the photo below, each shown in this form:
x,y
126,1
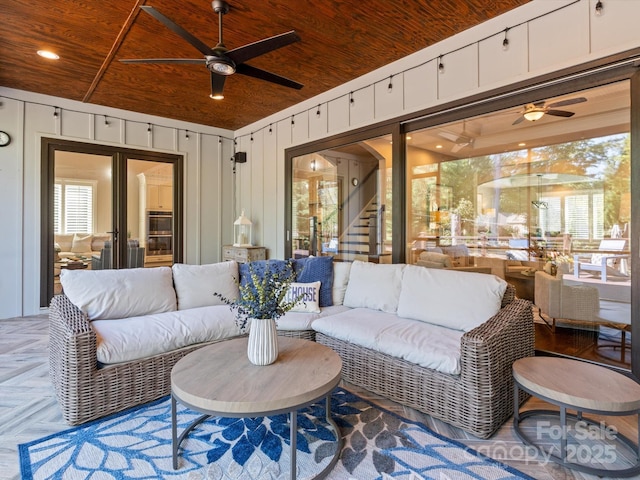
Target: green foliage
x,y
263,296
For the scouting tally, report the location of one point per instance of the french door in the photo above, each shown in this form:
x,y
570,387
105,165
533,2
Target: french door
x,y
107,208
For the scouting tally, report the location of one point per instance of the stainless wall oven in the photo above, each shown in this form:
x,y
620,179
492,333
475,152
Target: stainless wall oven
x,y
159,232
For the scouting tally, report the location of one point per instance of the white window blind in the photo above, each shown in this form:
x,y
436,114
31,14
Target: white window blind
x,y
73,206
576,215
598,215
551,217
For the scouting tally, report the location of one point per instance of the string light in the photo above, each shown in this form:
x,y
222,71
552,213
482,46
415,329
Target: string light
x,y
106,122
318,110
293,122
505,42
599,8
351,99
251,139
270,129
55,112
390,87
186,134
149,127
440,64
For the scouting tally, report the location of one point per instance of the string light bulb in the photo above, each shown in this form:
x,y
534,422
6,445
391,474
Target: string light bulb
x,y
599,8
55,112
270,129
505,42
106,122
149,128
390,87
440,64
351,99
318,111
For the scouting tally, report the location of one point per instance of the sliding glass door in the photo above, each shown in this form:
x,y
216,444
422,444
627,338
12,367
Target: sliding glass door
x,y
341,202
544,187
106,208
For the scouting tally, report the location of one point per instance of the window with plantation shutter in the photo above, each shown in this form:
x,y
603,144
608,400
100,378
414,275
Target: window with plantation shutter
x,y
73,206
576,215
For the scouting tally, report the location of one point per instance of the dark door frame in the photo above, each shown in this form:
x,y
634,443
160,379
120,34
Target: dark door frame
x,y
119,157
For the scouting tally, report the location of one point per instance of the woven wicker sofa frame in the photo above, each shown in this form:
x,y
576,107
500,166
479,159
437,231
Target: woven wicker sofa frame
x,y
480,399
86,391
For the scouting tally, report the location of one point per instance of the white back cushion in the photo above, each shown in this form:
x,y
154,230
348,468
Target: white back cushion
x,y
458,300
196,284
341,272
108,294
374,286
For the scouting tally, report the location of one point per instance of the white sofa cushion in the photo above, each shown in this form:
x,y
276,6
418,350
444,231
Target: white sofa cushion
x,y
308,295
81,243
303,321
375,286
64,240
196,284
134,338
417,342
109,294
457,300
341,272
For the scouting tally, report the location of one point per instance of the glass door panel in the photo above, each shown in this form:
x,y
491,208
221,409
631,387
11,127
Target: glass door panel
x,y
503,194
340,199
82,212
150,209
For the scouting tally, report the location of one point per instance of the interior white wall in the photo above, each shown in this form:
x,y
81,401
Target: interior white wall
x,y
28,117
544,36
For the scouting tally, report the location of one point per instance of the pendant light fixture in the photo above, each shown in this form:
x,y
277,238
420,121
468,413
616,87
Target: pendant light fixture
x,y
537,202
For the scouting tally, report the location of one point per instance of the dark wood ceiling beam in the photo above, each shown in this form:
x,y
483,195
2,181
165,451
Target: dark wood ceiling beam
x,y
114,49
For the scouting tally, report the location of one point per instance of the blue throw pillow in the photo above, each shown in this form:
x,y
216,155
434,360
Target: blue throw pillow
x,y
314,269
259,267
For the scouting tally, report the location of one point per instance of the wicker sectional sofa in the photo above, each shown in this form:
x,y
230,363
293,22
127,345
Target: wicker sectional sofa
x,y
476,397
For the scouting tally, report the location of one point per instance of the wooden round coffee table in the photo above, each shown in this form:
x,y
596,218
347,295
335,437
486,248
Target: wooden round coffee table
x,y
219,380
583,387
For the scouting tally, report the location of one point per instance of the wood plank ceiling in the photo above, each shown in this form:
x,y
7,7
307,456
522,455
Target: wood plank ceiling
x,y
341,40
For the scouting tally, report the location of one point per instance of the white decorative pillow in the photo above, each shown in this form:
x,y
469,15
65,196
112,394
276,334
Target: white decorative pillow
x,y
308,295
449,298
196,284
109,294
341,272
375,286
65,240
436,260
81,243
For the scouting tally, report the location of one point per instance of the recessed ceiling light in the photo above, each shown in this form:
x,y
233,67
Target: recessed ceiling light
x,y
438,146
522,144
48,54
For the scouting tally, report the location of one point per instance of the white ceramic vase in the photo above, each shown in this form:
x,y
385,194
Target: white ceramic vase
x,y
263,342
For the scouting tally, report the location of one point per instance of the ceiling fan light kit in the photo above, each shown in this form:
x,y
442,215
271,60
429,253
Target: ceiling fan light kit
x,y
220,61
535,111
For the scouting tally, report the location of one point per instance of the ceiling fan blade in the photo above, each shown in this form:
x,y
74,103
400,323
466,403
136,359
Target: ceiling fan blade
x,y
560,113
254,72
569,101
520,119
449,136
164,60
457,147
255,49
174,27
217,84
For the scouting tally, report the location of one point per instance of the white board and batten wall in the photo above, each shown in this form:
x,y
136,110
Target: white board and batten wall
x,y
29,117
544,36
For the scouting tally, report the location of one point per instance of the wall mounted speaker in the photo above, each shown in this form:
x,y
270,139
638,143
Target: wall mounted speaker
x,y
240,157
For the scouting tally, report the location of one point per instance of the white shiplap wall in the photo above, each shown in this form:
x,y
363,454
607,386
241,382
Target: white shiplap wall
x,y
544,36
28,117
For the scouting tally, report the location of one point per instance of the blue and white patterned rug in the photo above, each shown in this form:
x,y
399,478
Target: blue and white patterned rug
x,y
137,444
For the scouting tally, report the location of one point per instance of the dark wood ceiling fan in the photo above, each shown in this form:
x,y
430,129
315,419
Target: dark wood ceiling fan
x,y
220,61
